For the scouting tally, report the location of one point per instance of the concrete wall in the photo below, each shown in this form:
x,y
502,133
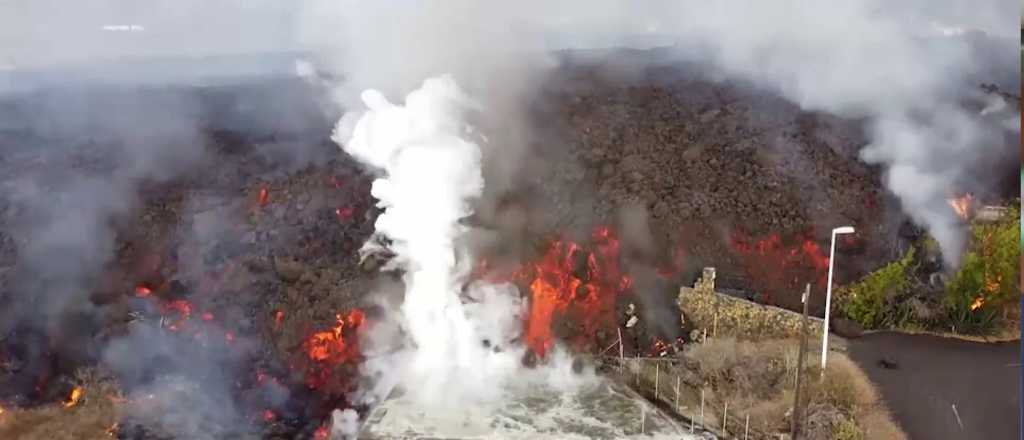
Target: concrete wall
x,y
702,306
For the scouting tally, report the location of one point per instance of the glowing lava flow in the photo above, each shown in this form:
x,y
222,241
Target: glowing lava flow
x,y
330,344
962,205
569,282
768,260
978,302
264,197
75,397
334,347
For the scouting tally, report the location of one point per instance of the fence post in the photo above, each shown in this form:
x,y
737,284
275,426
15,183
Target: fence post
x,y
797,413
657,374
622,361
638,367
702,425
643,418
677,393
725,420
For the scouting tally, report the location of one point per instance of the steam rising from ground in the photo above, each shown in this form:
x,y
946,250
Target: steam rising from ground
x,y
431,174
905,68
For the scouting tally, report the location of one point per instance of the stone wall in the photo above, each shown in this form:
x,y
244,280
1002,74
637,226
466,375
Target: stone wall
x,y
724,315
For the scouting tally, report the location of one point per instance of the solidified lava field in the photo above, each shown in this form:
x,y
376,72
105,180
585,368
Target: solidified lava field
x,y
251,245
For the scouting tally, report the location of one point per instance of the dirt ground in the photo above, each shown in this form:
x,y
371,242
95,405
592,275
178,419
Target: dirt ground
x,y
934,374
756,380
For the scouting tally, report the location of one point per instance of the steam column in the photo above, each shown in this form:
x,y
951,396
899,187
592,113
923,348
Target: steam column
x,y
828,294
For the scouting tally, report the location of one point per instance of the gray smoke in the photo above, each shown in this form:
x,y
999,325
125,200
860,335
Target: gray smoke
x,y
910,70
100,105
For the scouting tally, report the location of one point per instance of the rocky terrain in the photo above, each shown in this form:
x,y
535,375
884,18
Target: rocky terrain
x,y
259,238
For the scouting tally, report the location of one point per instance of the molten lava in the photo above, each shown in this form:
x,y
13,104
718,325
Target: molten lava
x,y
978,302
75,397
962,205
768,260
331,345
182,307
660,348
142,291
179,307
344,214
264,197
321,433
568,281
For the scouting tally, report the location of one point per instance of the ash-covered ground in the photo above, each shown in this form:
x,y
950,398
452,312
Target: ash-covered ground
x,y
241,236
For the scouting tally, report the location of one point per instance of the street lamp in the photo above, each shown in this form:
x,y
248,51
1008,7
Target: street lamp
x,y
828,293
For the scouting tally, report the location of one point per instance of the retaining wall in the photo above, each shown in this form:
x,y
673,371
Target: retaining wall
x,y
724,315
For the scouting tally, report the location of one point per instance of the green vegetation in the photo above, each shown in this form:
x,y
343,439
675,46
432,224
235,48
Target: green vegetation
x,y
979,298
868,301
848,430
987,280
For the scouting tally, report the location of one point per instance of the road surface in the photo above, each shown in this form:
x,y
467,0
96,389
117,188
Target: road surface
x,y
935,374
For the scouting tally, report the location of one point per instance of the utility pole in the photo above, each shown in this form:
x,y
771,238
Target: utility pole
x,y
797,413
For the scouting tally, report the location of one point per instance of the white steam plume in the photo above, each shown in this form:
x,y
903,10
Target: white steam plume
x,y
431,173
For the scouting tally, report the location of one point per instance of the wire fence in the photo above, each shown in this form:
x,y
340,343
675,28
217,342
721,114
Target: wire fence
x,y
667,382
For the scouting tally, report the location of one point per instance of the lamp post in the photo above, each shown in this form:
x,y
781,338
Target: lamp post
x,y
828,293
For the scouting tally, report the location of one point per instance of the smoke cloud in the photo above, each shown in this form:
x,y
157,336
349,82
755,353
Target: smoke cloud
x,y
910,73
905,69
100,103
909,70
431,174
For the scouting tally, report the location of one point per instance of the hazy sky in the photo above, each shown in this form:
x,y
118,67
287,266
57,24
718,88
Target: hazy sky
x,y
34,32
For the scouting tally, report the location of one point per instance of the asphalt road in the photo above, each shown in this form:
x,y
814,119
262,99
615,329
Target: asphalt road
x,y
935,374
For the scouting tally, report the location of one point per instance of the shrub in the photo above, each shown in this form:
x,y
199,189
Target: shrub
x,y
988,275
757,379
848,430
865,300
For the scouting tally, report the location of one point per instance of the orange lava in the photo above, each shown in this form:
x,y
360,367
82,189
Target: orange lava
x,y
344,214
142,291
321,433
770,261
660,347
992,282
569,281
962,205
264,197
268,416
75,397
183,307
331,345
978,302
